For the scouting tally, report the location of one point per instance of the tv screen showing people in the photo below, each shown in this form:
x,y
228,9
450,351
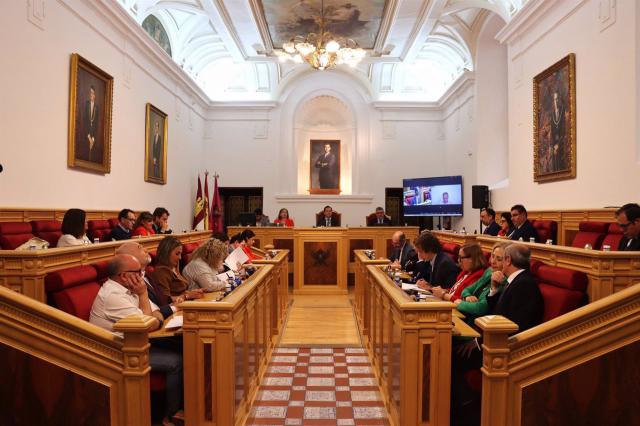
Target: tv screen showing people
x,y
434,196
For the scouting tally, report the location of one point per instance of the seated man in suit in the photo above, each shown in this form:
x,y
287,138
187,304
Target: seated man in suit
x,y
124,294
488,219
327,218
261,219
122,231
440,268
404,255
523,228
380,219
161,221
628,217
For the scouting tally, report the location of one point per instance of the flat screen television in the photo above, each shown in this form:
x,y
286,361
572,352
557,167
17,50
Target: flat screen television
x,y
433,196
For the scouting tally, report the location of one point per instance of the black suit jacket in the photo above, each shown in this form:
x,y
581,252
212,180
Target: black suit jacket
x,y
525,232
422,270
520,302
321,221
634,246
444,271
118,234
165,310
386,221
406,255
492,229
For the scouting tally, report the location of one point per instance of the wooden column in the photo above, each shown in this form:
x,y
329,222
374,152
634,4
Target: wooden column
x,y
136,368
495,363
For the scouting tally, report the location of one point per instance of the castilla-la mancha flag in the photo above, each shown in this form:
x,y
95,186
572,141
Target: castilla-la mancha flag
x,y
215,217
198,213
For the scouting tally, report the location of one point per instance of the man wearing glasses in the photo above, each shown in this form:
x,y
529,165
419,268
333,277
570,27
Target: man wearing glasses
x,y
125,294
523,228
122,231
629,221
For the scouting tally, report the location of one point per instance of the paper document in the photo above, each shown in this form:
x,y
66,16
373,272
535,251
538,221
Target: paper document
x,y
238,255
409,286
175,322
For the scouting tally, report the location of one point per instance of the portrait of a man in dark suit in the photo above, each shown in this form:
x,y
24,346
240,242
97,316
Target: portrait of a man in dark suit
x,y
325,166
156,146
89,143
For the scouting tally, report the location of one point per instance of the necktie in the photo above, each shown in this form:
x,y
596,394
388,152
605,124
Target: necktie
x,y
380,221
327,222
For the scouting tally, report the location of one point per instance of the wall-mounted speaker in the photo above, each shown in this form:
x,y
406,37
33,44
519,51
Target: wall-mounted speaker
x,y
480,196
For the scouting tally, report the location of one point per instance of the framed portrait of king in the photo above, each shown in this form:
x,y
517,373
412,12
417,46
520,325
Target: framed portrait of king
x,y
155,159
324,167
90,103
554,122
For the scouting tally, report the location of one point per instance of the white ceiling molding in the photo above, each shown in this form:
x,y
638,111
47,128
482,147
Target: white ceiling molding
x,y
36,13
388,17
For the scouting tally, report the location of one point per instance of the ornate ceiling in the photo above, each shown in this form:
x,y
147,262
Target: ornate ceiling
x,y
417,49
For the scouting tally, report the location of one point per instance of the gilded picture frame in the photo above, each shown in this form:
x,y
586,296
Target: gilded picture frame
x,y
155,157
324,167
554,122
90,106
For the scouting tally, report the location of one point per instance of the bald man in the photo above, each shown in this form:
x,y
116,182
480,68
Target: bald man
x,y
136,250
404,255
125,294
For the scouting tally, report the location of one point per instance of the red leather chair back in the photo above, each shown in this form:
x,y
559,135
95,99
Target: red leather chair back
x,y
452,250
187,251
14,234
73,290
335,217
547,230
98,229
563,290
49,230
113,222
613,237
590,233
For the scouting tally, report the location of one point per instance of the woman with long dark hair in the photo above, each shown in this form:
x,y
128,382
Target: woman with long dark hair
x,y
74,229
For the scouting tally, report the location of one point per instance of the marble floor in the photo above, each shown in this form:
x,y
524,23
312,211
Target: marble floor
x,y
318,386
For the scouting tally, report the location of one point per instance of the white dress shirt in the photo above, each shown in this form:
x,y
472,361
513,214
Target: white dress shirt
x,y
510,279
113,303
68,240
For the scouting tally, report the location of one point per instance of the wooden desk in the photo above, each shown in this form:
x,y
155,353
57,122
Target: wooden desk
x,y
24,270
462,329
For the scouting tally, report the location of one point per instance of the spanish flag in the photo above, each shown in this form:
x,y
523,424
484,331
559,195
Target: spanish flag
x,y
207,220
198,213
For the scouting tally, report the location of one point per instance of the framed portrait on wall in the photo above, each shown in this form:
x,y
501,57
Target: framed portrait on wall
x,y
155,159
90,103
554,122
324,167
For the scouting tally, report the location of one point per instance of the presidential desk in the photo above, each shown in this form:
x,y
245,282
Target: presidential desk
x,y
322,258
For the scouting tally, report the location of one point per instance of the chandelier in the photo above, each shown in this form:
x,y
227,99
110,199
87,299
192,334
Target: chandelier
x,y
322,50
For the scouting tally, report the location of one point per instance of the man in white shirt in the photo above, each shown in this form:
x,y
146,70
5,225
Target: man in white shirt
x,y
125,294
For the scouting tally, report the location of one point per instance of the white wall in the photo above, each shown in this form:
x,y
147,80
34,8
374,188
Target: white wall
x,y
606,78
34,115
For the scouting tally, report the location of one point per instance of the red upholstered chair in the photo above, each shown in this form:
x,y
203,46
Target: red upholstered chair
x,y
187,251
335,217
590,233
451,249
98,229
547,230
563,290
102,271
613,237
49,230
113,222
14,234
73,290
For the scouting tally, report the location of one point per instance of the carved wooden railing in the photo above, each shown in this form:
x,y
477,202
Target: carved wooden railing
x,y
281,296
568,220
362,293
579,368
227,346
24,270
19,214
410,349
608,271
59,367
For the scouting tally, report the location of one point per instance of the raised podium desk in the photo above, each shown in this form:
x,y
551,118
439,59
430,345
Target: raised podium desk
x,y
322,258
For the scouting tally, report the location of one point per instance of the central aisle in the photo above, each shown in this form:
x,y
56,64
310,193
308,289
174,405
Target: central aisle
x,y
319,374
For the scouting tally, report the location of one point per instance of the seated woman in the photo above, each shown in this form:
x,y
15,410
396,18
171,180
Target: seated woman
x,y
74,229
283,219
205,263
506,225
473,300
247,238
167,276
473,264
144,225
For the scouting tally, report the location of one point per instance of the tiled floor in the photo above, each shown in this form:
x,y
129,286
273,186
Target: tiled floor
x,y
318,386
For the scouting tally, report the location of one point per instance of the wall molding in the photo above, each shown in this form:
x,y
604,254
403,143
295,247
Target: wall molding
x,y
315,199
546,14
